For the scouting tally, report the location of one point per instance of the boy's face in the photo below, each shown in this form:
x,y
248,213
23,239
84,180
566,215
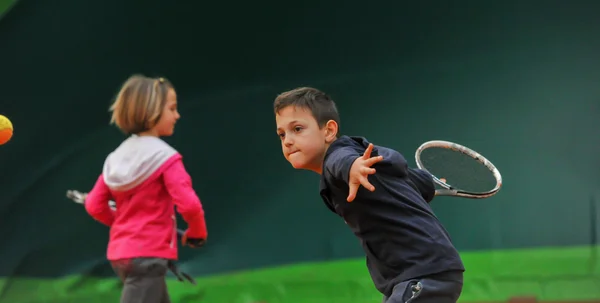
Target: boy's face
x,y
302,141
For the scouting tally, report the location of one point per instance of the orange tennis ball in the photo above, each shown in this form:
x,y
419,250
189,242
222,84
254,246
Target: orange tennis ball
x,y
6,130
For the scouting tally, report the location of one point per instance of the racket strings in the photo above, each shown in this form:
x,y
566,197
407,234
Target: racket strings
x,y
460,171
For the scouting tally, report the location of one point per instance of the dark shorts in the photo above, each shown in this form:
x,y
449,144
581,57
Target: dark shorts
x,y
438,288
144,280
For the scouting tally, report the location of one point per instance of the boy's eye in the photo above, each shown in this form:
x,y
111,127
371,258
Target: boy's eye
x,y
297,128
281,135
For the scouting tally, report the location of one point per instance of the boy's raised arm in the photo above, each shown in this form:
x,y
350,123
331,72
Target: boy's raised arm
x,y
346,164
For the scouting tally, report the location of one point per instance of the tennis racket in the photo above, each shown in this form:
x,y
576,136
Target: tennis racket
x,y
79,197
458,170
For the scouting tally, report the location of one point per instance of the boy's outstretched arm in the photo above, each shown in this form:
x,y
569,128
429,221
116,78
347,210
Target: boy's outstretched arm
x,y
346,164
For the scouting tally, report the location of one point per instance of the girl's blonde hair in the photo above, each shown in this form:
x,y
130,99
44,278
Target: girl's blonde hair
x,y
139,103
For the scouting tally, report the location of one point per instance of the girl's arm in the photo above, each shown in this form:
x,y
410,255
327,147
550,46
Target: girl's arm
x,y
179,186
96,203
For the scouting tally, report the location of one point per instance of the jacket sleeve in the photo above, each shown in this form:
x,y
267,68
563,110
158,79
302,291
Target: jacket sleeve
x,y
96,203
179,185
340,161
423,182
419,179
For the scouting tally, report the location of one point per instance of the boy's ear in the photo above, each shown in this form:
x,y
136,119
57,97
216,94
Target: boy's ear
x,y
331,130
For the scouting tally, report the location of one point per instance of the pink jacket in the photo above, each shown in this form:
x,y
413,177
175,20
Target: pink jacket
x,y
146,178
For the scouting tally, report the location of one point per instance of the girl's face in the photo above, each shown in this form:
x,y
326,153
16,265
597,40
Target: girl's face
x,y
166,124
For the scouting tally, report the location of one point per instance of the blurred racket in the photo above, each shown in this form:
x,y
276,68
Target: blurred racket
x,y
458,170
79,197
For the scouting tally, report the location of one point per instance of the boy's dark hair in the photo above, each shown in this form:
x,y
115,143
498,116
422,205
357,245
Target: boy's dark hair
x,y
319,103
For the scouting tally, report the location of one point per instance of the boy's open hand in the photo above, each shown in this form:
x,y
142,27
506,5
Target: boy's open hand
x,y
359,171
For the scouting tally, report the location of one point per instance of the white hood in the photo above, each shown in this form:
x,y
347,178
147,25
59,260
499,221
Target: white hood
x,y
136,159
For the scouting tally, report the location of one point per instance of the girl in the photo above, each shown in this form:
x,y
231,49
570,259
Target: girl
x,y
146,178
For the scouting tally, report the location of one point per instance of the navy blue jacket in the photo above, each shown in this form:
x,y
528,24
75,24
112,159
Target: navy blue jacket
x,y
400,234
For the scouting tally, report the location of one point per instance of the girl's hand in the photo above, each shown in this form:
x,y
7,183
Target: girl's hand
x,y
192,242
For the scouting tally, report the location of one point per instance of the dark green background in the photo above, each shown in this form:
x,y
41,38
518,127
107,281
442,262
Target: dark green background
x,y
516,80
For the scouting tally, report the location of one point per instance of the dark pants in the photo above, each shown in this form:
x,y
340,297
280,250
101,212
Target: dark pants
x,y
144,280
438,288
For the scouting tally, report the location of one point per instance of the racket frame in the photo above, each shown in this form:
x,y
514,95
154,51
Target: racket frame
x,y
448,190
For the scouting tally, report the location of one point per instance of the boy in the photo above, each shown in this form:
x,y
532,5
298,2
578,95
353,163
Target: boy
x,y
409,253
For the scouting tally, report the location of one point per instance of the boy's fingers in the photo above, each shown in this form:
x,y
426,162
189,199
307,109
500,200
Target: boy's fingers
x,y
352,192
367,171
367,154
373,160
365,182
